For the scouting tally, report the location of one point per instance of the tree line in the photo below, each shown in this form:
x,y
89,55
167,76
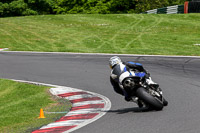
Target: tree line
x,y
38,7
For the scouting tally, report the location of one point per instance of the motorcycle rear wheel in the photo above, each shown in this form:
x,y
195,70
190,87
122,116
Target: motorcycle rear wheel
x,y
153,102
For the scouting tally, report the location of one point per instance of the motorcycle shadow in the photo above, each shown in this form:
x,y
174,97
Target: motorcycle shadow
x,y
134,110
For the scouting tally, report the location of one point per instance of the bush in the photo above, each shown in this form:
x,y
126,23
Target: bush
x,y
34,7
122,6
16,8
41,6
144,5
28,12
25,7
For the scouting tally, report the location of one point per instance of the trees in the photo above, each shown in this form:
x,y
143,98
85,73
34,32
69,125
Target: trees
x,y
144,5
25,7
34,7
14,8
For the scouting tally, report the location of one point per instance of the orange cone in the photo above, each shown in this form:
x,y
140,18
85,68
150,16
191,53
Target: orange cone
x,y
41,114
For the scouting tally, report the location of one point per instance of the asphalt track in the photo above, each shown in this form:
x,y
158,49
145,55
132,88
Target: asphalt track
x,y
178,77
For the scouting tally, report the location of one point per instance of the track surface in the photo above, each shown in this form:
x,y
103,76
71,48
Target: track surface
x,y
178,77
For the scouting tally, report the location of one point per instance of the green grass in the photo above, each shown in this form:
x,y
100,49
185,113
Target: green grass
x,y
20,105
120,33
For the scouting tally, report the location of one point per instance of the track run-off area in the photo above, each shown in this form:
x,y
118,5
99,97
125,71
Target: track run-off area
x,y
177,76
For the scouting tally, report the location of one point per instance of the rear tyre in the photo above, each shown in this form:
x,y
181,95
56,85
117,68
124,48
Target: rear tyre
x,y
149,99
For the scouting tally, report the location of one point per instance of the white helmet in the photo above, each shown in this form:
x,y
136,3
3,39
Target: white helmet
x,y
114,61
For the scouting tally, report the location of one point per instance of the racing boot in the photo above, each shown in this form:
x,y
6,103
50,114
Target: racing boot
x,y
138,102
128,99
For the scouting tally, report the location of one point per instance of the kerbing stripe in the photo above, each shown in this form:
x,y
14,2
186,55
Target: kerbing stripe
x,y
72,94
87,106
54,129
85,99
64,123
87,102
78,117
2,49
84,111
78,96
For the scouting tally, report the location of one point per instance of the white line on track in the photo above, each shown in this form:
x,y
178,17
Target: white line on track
x,y
61,89
105,54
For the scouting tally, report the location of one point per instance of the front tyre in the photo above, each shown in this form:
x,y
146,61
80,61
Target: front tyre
x,y
149,99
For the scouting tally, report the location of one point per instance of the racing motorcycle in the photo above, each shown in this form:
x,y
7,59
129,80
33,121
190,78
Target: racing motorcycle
x,y
135,84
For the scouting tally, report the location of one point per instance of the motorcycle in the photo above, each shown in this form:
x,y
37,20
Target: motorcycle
x,y
135,84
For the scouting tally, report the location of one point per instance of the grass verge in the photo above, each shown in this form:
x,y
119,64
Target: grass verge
x,y
160,34
20,105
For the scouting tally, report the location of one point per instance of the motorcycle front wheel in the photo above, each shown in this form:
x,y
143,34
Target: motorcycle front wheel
x,y
151,101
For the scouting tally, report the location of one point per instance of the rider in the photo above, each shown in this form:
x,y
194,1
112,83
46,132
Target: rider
x,y
117,62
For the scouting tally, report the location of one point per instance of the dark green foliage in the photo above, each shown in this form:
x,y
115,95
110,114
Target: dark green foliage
x,y
14,8
34,7
144,5
25,7
123,6
41,6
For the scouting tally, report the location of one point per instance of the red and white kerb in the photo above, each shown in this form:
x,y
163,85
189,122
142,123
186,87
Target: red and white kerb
x,y
86,108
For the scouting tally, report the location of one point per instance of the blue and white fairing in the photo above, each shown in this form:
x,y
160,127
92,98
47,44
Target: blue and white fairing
x,y
120,72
